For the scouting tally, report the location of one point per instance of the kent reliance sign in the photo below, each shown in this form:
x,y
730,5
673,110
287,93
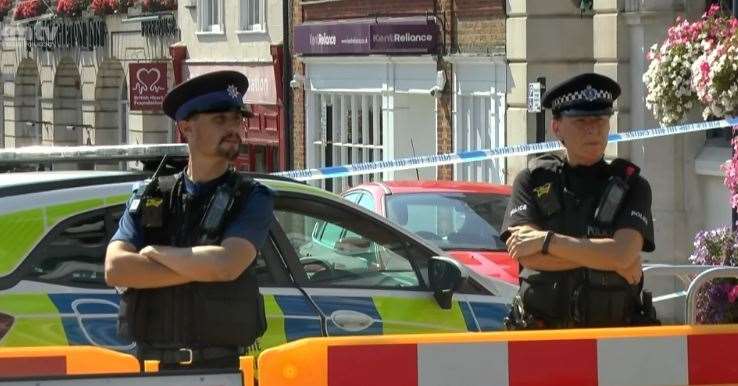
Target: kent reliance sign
x,y
366,38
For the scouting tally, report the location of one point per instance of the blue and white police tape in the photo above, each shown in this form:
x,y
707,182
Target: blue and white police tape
x,y
480,155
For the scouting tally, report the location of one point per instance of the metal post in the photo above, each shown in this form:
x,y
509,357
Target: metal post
x,y
735,212
541,116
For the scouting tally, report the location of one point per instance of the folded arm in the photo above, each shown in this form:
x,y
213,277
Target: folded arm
x,y
209,263
609,254
125,267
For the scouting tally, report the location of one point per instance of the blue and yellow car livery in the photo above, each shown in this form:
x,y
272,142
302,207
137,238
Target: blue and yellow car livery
x,y
54,228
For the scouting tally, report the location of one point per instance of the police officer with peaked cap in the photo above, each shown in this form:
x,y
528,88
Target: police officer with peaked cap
x,y
577,223
185,246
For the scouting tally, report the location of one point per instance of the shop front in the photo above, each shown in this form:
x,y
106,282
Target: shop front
x,y
370,90
263,132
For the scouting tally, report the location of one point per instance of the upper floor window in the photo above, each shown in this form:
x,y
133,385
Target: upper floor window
x,y
210,16
252,15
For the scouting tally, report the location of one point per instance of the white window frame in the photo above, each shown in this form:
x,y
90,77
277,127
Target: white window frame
x,y
206,23
244,13
479,118
362,146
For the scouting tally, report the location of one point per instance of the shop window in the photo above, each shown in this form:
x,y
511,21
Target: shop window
x,y
209,16
252,16
477,129
348,130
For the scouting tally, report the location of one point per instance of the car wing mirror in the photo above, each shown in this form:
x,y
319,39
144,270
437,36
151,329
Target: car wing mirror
x,y
445,276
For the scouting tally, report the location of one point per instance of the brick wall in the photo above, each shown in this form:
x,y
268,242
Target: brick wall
x,y
480,26
444,118
480,35
482,9
444,121
298,103
365,8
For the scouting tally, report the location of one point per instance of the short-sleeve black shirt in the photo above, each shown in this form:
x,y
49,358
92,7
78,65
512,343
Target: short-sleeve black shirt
x,y
635,212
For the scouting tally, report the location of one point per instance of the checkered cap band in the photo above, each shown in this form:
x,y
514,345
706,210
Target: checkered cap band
x,y
589,94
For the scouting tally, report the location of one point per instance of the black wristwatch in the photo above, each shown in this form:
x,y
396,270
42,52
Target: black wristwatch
x,y
546,242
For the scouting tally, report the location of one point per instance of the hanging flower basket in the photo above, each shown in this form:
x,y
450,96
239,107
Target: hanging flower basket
x,y
158,5
696,64
110,7
30,8
71,8
717,301
5,7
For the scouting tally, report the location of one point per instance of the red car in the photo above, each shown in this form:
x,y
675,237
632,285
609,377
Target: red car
x,y
462,218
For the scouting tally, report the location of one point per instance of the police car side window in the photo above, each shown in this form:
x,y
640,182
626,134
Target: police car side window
x,y
354,253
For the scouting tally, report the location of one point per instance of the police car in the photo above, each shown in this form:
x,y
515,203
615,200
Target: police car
x,y
329,267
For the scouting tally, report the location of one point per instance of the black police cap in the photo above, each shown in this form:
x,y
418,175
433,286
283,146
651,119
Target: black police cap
x,y
587,94
211,92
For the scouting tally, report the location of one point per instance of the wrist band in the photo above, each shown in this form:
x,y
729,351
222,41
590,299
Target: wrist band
x,y
546,242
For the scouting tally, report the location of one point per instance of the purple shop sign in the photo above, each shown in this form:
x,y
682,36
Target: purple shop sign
x,y
413,38
365,38
323,39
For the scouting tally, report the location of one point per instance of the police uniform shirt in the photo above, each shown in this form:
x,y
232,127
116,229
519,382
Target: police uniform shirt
x,y
586,183
250,223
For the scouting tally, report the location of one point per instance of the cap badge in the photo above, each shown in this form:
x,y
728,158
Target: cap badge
x,y
589,93
233,92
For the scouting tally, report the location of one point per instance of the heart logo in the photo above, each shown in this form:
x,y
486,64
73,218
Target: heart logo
x,y
147,79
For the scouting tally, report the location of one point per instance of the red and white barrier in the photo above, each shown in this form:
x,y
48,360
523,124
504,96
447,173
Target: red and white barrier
x,y
606,357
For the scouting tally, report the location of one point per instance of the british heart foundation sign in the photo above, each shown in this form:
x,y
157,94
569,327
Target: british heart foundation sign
x,y
148,85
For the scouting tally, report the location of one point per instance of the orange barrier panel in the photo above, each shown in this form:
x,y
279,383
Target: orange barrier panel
x,y
151,366
247,369
671,355
64,360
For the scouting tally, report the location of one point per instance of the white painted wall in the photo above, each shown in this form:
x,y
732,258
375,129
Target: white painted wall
x,y
231,44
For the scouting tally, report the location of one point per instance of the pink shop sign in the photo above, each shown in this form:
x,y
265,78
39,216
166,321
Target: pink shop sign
x,y
148,85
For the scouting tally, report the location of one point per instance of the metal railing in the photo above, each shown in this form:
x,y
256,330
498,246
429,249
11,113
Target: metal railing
x,y
699,281
682,272
693,277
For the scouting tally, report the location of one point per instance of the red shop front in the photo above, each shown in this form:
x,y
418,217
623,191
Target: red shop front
x,y
263,133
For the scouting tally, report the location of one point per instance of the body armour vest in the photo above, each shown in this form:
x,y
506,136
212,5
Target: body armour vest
x,y
567,200
195,314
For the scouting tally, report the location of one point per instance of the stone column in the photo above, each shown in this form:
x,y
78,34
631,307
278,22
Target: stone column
x,y
611,50
543,38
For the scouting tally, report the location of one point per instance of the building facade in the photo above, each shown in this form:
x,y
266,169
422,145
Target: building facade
x,y
66,77
387,79
244,36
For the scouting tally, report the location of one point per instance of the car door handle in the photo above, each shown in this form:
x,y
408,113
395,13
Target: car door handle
x,y
352,321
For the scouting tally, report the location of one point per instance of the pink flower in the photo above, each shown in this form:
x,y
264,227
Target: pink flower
x,y
705,68
714,9
733,294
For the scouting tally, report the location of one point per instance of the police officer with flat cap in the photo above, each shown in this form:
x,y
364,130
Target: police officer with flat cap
x,y
185,245
577,223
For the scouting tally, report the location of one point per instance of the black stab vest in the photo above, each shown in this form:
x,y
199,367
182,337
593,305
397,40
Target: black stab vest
x,y
569,209
197,314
